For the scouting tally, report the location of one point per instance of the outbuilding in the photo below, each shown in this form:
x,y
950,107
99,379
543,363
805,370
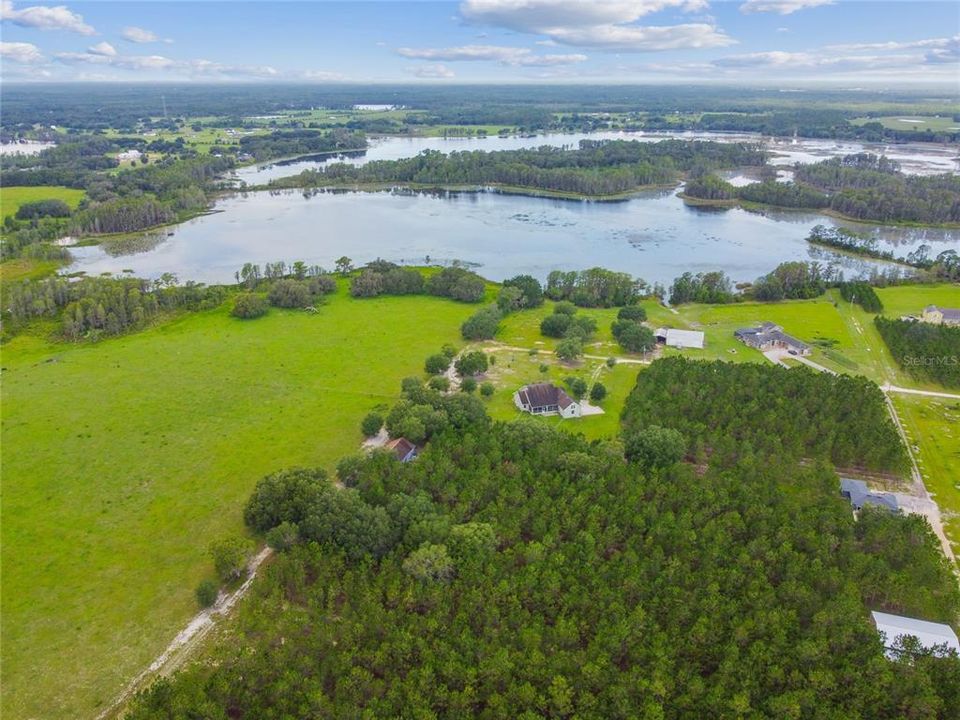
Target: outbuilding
x,y
929,634
671,337
403,449
857,492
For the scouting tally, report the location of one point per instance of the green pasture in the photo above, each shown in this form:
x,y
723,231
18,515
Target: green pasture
x,y
920,123
11,198
125,459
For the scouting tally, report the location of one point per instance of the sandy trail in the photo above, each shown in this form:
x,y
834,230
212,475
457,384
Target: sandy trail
x,y
188,638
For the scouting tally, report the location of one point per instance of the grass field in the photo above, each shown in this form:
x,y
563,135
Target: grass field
x,y
933,425
123,461
11,198
912,122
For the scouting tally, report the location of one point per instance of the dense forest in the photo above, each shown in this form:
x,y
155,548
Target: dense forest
x,y
514,570
595,167
862,186
595,287
288,143
926,351
734,411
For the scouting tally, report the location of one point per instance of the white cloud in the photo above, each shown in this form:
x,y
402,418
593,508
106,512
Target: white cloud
x,y
434,71
602,24
491,53
943,42
783,7
189,68
20,52
631,38
139,35
102,48
42,17
322,76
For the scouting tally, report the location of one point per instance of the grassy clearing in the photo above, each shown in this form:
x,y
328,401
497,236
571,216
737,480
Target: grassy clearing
x,y
911,299
919,123
11,198
27,269
933,425
123,461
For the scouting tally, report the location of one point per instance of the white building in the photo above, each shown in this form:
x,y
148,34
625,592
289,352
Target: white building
x,y
928,633
671,337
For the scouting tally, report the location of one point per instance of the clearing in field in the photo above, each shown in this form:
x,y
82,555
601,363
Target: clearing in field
x,y
933,427
11,198
124,460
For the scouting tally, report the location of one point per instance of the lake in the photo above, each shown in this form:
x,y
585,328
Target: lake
x,y
654,236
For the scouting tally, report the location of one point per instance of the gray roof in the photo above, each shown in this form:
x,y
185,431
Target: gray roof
x,y
767,332
928,633
948,313
684,338
857,492
543,395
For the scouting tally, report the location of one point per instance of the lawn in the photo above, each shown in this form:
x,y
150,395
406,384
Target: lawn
x,y
514,368
911,299
933,425
124,460
11,198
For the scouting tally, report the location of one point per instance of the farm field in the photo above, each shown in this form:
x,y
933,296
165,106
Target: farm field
x,y
933,425
11,198
125,459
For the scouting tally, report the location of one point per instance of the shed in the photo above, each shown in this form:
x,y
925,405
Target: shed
x,y
928,633
684,338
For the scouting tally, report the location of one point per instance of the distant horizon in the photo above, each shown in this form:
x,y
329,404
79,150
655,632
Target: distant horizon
x,y
790,43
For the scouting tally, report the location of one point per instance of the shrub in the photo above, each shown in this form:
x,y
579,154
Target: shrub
x,y
654,447
632,312
632,336
322,285
611,362
248,306
436,364
457,283
487,389
439,383
564,307
598,392
367,284
555,325
509,299
289,294
43,208
471,363
402,281
529,287
283,537
449,350
206,593
230,558
468,385
371,424
576,386
482,325
581,327
544,368
430,563
569,349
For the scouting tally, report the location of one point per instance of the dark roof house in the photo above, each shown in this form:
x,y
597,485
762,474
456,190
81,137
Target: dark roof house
x,y
767,336
546,399
857,492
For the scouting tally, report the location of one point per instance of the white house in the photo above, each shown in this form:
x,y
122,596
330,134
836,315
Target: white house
x,y
546,399
941,316
928,633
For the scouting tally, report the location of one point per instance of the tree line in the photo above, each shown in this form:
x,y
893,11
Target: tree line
x,y
514,570
924,350
594,168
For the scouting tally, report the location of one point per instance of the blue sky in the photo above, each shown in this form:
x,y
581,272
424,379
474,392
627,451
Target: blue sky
x,y
843,42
